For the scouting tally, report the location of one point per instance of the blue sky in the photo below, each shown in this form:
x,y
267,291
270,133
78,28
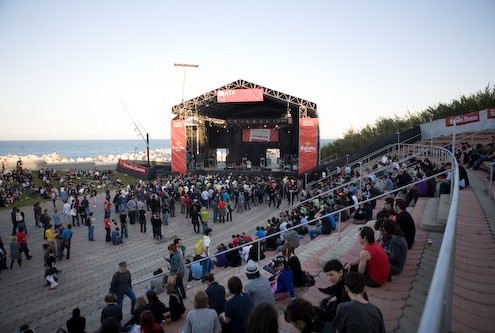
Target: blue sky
x,y
65,65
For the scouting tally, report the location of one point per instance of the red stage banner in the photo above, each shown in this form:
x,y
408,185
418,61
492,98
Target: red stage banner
x,y
490,113
260,135
132,167
178,138
308,144
463,119
239,95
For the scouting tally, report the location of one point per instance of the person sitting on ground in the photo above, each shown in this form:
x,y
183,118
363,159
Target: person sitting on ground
x,y
139,307
298,275
196,268
77,323
358,314
148,324
334,270
237,308
299,312
233,257
176,305
216,294
405,222
116,239
263,319
156,306
394,243
372,261
111,310
257,287
221,258
283,287
202,319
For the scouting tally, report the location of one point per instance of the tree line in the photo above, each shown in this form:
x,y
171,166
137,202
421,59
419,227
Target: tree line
x,y
383,126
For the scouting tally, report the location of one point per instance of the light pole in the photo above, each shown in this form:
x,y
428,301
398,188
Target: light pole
x,y
135,152
185,66
346,159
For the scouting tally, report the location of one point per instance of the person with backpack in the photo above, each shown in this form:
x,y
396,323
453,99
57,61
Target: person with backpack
x,y
176,306
205,242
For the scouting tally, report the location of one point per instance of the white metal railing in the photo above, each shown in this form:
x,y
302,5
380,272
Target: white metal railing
x,y
437,312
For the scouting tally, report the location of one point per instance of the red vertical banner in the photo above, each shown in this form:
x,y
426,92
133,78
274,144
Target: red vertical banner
x,y
178,138
308,144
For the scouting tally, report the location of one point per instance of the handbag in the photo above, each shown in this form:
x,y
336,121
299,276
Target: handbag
x,y
172,279
73,212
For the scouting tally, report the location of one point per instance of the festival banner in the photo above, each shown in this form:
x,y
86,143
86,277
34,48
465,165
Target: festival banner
x,y
490,113
178,138
308,144
463,119
260,135
240,95
132,167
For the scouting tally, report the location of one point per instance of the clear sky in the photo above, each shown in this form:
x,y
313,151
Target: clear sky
x,y
65,65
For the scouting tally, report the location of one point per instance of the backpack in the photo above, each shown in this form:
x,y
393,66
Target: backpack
x,y
198,247
309,280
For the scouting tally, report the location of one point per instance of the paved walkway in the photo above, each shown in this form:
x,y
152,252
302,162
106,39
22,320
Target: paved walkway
x,y
85,279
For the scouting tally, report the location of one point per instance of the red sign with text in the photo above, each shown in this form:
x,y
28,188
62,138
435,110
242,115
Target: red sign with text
x,y
132,167
308,144
260,135
178,141
490,113
463,119
240,95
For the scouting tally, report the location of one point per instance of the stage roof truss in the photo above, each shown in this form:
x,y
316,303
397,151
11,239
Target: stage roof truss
x,y
273,100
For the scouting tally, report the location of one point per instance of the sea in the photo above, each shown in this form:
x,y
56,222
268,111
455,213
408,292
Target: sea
x,y
73,149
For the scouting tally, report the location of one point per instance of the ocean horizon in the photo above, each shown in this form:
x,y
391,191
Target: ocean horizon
x,y
73,149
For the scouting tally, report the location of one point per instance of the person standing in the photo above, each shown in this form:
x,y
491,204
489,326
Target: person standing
x,y
56,219
91,228
177,269
123,226
206,263
66,210
22,241
51,269
108,227
132,209
66,237
75,207
156,223
37,214
195,210
121,285
142,216
204,216
14,252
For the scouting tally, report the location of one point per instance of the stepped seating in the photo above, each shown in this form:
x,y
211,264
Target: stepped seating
x,y
436,213
472,138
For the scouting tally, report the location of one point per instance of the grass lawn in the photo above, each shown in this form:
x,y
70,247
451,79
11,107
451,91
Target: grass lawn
x,y
29,200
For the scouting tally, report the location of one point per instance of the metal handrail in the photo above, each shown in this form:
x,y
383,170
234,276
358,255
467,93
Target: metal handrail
x,y
437,312
492,167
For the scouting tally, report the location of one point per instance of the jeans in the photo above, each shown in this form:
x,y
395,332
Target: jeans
x,y
132,297
206,265
205,226
165,218
313,233
91,230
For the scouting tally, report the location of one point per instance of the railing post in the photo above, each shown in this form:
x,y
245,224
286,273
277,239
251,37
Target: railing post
x,y
491,181
340,220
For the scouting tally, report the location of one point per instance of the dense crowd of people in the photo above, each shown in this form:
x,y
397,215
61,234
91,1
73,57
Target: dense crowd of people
x,y
251,307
